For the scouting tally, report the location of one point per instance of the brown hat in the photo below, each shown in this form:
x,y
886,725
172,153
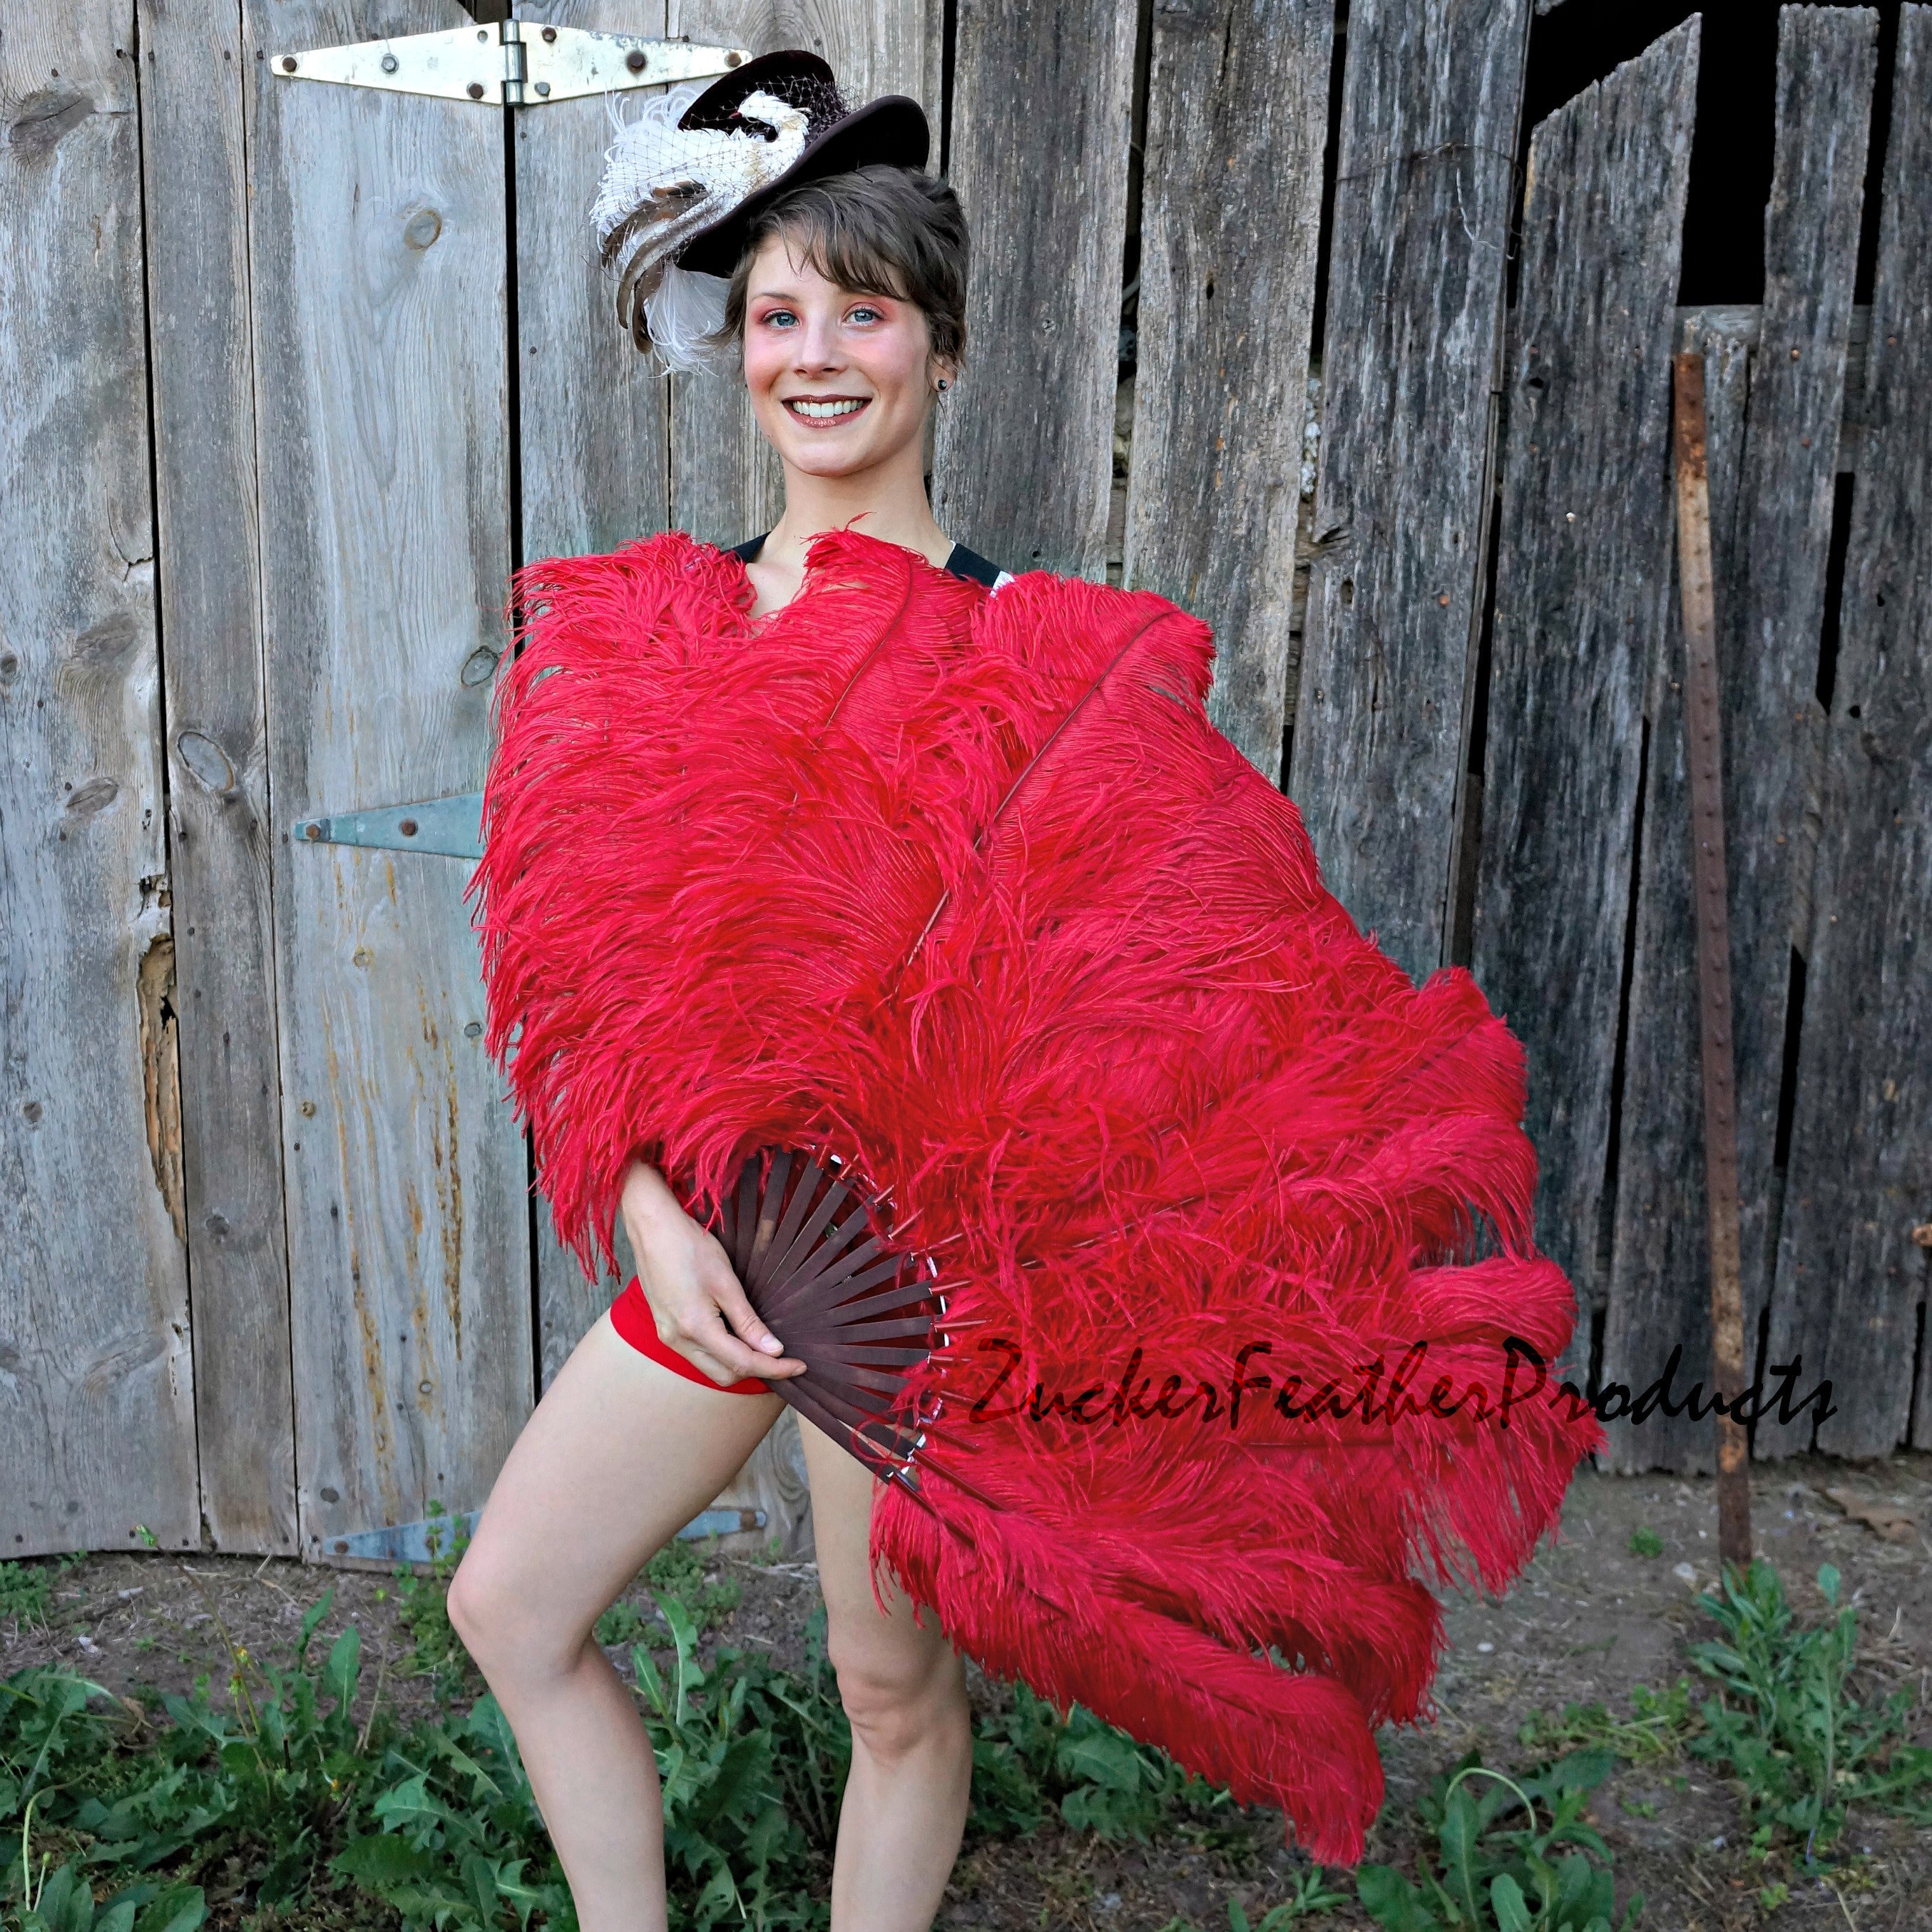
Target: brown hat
x,y
838,138
684,177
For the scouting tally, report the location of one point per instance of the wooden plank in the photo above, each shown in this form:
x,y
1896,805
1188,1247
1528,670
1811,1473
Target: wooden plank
x,y
204,413
1850,1276
1424,196
1023,455
1583,582
594,447
1772,484
726,481
1658,1294
1236,119
97,1401
378,241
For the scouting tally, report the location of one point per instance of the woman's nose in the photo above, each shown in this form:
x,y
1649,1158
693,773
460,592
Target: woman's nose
x,y
817,346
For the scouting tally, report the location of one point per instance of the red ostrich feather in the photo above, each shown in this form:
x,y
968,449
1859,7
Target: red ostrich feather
x,y
964,891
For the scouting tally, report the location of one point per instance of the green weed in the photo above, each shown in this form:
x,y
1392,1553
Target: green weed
x,y
1786,1724
1659,1725
1479,1871
435,1651
1646,1542
1311,1895
1028,1759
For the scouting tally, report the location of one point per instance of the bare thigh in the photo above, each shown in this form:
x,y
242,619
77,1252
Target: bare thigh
x,y
875,1655
620,1454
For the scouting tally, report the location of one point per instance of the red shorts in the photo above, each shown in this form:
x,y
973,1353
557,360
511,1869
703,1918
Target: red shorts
x,y
631,1316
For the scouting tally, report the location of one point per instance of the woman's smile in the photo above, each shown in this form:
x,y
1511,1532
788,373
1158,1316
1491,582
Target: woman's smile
x,y
825,412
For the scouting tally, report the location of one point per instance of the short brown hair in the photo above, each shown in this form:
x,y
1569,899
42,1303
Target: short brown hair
x,y
877,230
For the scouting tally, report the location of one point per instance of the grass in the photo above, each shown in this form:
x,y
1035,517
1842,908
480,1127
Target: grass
x,y
26,1589
155,1803
1660,1724
268,1797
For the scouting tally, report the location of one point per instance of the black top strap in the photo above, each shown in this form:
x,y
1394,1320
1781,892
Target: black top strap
x,y
965,563
962,561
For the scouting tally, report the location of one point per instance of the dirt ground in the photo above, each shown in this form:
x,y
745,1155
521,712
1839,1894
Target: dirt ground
x,y
1588,1621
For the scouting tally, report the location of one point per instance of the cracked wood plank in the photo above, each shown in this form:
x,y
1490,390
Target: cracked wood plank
x,y
1042,111
1852,1273
97,1396
1424,196
1582,589
204,408
1773,463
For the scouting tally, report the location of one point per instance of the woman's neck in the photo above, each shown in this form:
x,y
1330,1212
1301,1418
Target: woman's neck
x,y
889,503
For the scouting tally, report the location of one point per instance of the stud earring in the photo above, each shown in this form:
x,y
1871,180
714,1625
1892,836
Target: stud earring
x,y
944,384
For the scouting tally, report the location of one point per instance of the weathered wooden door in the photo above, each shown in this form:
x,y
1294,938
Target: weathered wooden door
x,y
278,1283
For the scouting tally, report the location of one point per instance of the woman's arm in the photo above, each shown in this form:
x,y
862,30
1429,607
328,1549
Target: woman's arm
x,y
696,1299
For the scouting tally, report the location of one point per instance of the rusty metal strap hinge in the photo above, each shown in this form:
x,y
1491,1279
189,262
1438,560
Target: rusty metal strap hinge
x,y
510,63
452,825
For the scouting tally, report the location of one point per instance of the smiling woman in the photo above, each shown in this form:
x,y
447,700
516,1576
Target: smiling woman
x,y
825,846
756,223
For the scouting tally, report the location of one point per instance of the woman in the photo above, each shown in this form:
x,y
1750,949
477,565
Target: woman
x,y
855,853
848,295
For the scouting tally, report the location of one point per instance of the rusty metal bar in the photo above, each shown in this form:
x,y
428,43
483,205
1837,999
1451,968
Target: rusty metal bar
x,y
1702,721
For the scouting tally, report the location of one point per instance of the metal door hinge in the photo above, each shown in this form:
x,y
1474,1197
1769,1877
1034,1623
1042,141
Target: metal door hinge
x,y
409,1542
453,825
510,63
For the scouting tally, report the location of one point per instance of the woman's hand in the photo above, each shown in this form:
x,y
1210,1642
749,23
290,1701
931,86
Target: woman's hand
x,y
687,1279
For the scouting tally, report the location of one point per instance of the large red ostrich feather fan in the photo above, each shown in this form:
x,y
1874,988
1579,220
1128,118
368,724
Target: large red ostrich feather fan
x,y
964,891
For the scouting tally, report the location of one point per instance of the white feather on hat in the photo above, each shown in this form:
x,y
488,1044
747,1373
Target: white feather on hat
x,y
663,183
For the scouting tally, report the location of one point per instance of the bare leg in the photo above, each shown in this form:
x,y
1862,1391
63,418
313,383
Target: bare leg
x,y
904,1688
620,1455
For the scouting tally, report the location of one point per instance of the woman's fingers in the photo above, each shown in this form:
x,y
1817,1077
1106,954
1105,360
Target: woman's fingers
x,y
707,1341
737,1310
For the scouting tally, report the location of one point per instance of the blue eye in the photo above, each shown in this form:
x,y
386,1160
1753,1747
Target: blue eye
x,y
866,309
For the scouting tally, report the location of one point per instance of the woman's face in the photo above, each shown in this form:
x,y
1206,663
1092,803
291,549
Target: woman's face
x,y
840,383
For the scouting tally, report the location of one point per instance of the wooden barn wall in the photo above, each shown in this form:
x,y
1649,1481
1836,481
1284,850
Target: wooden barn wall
x,y
379,363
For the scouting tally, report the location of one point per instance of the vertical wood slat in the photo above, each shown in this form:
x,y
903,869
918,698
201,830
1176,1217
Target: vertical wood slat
x,y
1772,549
204,418
96,1384
377,240
1238,113
1658,1293
1424,201
1850,1276
594,446
1583,579
1042,111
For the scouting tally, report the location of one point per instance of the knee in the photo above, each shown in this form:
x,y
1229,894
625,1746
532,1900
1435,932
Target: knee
x,y
499,1618
899,1705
